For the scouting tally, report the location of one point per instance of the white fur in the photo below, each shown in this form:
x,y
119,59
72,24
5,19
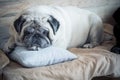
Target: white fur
x,y
76,25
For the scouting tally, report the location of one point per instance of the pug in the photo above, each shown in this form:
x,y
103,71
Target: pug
x,y
65,27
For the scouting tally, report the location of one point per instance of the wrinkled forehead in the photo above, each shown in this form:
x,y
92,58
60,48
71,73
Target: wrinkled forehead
x,y
35,17
33,20
34,25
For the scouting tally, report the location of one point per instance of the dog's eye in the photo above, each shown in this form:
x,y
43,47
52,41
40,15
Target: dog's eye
x,y
27,32
45,32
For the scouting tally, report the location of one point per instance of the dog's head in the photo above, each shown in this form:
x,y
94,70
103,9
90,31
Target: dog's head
x,y
35,31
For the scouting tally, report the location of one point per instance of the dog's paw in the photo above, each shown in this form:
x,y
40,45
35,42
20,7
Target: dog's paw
x,y
8,49
115,49
88,46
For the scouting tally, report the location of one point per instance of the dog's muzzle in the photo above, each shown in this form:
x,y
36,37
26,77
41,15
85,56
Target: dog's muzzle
x,y
36,41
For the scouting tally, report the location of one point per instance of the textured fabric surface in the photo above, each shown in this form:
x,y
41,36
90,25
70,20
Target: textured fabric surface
x,y
3,60
90,63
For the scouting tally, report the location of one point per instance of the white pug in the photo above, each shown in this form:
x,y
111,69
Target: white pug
x,y
65,27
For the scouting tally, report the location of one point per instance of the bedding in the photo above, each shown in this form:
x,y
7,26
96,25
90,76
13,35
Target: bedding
x,y
90,63
95,62
3,60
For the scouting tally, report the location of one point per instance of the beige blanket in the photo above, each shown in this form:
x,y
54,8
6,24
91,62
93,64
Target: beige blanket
x,y
90,63
98,61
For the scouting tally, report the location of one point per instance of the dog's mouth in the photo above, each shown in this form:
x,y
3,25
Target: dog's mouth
x,y
36,41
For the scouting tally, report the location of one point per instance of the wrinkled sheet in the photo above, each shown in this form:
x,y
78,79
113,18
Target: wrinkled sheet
x,y
3,62
90,63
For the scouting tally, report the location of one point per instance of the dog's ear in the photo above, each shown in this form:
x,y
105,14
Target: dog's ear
x,y
116,15
18,24
54,24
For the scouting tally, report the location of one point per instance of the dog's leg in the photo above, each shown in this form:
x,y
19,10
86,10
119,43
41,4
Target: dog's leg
x,y
9,46
96,33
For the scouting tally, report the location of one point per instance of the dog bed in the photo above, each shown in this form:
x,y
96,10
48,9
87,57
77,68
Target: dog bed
x,y
95,62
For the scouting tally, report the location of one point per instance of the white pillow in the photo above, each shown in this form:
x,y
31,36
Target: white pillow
x,y
43,57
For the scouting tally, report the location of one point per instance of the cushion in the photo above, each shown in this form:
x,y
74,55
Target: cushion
x,y
43,57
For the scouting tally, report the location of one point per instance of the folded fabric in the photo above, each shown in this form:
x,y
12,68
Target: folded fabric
x,y
3,60
43,57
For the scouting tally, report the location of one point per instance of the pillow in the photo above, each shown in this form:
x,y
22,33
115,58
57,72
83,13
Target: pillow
x,y
43,57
